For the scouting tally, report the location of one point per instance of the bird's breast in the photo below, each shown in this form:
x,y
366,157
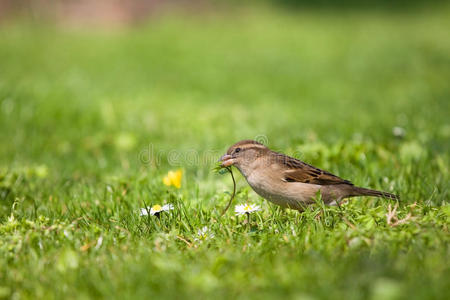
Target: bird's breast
x,y
280,192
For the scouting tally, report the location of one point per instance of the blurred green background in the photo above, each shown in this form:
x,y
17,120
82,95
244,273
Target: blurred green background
x,y
108,96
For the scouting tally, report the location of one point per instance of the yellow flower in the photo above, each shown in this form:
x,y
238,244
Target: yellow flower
x,y
173,178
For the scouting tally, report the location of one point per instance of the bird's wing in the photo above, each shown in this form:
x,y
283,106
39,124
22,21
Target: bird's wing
x,y
298,171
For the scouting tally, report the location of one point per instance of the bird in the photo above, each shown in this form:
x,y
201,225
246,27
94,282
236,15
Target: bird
x,y
287,181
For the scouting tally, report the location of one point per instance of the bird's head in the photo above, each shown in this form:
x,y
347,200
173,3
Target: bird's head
x,y
243,154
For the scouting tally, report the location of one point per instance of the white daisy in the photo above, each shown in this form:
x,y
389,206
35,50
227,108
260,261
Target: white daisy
x,y
155,209
398,131
204,234
245,209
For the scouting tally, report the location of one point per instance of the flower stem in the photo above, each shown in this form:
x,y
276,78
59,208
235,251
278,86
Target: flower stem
x,y
234,192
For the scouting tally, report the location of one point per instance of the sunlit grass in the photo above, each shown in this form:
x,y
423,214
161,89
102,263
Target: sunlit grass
x,y
95,126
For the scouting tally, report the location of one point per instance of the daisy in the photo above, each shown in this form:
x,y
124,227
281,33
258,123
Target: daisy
x,y
155,209
173,178
246,209
204,234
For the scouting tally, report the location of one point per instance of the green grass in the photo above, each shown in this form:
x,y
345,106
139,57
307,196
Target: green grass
x,y
91,121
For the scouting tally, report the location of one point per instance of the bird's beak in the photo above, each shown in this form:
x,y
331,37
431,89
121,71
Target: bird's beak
x,y
227,160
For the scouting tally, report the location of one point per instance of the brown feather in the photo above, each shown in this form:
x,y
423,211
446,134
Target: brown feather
x,y
247,144
298,171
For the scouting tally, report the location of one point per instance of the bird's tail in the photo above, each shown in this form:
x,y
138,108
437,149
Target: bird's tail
x,y
359,191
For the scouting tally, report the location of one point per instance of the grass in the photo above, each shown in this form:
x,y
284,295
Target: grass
x,y
91,122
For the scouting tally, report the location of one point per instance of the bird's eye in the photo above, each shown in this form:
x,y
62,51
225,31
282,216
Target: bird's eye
x,y
237,150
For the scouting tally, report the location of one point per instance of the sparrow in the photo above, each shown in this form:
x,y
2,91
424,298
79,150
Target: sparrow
x,y
289,182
